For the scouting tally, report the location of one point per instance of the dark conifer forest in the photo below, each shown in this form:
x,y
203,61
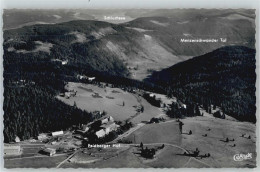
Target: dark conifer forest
x,y
225,77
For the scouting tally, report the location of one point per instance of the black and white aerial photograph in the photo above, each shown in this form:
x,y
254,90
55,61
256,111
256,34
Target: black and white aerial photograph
x,y
129,88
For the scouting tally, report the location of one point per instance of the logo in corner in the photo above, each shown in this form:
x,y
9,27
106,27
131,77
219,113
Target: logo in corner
x,y
241,157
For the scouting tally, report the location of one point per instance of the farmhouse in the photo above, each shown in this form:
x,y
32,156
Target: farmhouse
x,y
91,78
12,150
100,133
70,93
151,95
84,77
49,151
57,133
83,129
67,94
95,113
81,77
64,62
17,139
42,136
107,125
55,60
110,126
184,106
62,94
107,119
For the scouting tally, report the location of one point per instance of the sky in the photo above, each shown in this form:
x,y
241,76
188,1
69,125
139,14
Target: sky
x,y
130,4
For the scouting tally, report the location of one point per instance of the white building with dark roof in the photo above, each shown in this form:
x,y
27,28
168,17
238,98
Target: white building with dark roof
x,y
110,126
107,125
42,136
57,133
107,119
17,139
49,151
100,133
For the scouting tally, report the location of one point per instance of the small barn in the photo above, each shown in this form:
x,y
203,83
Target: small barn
x,y
62,94
110,118
107,119
67,94
91,78
42,136
151,95
49,151
57,133
85,128
104,121
64,62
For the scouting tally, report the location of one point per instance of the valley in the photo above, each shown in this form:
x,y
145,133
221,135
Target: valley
x,y
124,149
82,91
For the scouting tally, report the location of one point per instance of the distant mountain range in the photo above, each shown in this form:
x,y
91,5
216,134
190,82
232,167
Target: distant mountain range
x,y
15,18
225,77
147,43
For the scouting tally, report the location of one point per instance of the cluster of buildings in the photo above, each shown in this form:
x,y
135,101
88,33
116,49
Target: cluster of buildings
x,y
107,125
63,62
181,105
68,94
84,77
23,82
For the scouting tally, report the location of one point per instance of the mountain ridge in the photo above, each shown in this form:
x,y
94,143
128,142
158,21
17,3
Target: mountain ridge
x,y
225,77
150,42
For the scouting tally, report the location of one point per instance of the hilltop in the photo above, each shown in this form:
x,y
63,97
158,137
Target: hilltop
x,y
149,42
169,28
225,77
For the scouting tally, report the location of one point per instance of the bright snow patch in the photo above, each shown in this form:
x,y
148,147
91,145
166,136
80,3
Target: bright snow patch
x,y
80,37
237,17
187,34
56,16
183,22
148,37
40,46
159,23
102,32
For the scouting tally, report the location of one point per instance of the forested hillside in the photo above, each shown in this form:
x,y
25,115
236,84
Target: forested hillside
x,y
225,77
131,49
33,109
30,45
